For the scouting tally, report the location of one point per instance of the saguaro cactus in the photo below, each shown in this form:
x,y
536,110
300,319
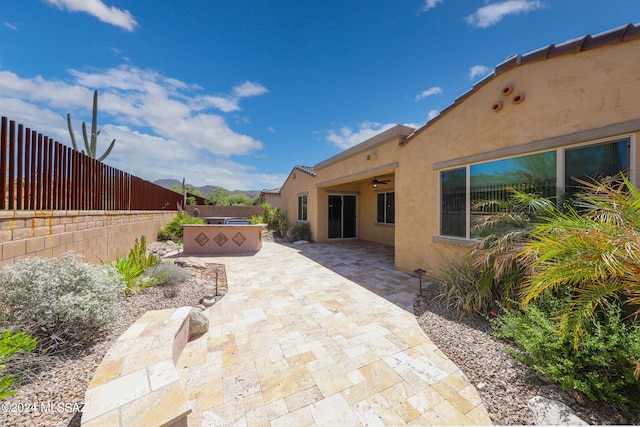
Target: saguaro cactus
x,y
90,145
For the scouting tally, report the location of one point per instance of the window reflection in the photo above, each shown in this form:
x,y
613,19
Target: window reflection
x,y
594,163
453,205
492,182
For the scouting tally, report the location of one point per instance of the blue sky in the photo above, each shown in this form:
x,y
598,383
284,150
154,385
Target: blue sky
x,y
236,92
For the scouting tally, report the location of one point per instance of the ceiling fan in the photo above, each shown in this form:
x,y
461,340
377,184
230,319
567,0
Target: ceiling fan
x,y
375,181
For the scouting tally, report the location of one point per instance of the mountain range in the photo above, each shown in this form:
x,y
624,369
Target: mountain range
x,y
170,183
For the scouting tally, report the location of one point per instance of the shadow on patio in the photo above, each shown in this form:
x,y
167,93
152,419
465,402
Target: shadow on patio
x,y
370,265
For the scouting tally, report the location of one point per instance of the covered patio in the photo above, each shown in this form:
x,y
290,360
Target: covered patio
x,y
321,334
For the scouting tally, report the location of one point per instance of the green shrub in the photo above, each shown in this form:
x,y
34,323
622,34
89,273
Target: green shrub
x,y
266,216
132,267
603,365
59,299
591,250
278,223
11,343
300,231
172,229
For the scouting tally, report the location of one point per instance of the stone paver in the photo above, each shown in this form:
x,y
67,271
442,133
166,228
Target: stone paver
x,y
321,334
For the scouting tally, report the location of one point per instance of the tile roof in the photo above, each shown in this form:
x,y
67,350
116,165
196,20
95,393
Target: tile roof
x,y
306,169
618,35
271,191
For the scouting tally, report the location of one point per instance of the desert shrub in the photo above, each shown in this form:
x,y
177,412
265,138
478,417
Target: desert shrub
x,y
465,288
603,365
172,229
266,216
167,273
11,343
278,223
132,268
300,231
59,299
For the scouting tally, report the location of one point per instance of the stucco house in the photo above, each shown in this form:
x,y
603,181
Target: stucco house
x,y
563,111
271,196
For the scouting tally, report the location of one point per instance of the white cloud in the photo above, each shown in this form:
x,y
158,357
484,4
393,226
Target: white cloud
x,y
110,15
163,127
249,89
346,137
429,92
491,14
478,70
432,114
430,4
10,26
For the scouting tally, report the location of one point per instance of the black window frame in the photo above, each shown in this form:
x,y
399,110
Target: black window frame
x,y
386,207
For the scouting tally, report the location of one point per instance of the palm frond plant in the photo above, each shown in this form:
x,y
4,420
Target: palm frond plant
x,y
505,230
593,249
489,277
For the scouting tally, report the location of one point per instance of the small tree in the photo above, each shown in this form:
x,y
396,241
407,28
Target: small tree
x,y
219,196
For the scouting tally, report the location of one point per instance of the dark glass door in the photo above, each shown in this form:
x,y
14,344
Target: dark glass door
x,y
342,217
335,217
348,216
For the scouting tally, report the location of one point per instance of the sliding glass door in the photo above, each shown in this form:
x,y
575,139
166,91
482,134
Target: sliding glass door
x,y
342,216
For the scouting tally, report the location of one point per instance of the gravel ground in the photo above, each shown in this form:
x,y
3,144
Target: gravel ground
x,y
505,384
54,396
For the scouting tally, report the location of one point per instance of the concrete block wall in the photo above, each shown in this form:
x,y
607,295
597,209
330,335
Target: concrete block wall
x,y
98,235
237,211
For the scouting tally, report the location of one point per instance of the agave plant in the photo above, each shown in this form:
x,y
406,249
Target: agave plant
x,y
592,248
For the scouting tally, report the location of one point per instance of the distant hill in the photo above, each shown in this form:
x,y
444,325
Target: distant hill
x,y
170,183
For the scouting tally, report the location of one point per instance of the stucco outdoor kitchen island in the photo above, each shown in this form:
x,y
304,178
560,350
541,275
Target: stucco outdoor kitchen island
x,y
219,239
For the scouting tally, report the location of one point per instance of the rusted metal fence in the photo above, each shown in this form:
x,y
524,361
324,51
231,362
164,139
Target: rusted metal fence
x,y
38,173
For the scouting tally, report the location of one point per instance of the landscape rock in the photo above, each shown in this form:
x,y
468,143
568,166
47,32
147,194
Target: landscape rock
x,y
208,301
552,413
301,242
198,324
190,263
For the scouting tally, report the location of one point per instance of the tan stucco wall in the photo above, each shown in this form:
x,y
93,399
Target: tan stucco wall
x,y
299,183
350,172
98,235
367,227
274,200
377,160
568,99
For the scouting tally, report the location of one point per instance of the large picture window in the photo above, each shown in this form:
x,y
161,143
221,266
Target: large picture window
x,y
460,199
386,208
302,207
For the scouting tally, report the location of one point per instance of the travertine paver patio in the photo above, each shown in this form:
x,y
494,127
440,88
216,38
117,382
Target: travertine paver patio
x,y
321,334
